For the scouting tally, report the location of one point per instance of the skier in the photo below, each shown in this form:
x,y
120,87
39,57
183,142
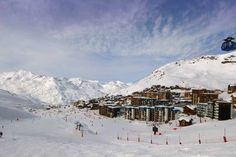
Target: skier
x,y
80,125
1,133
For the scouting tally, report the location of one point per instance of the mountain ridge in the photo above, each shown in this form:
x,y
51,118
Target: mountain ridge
x,y
209,71
53,90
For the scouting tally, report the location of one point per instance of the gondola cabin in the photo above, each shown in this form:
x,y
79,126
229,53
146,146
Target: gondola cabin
x,y
229,44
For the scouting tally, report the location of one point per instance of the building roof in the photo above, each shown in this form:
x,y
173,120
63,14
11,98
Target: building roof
x,y
114,107
223,101
202,104
143,106
187,119
192,107
130,107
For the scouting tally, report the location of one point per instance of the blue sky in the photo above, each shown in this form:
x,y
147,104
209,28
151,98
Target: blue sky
x,y
109,39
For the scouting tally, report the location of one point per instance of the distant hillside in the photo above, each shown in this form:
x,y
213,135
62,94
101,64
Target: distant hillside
x,y
213,72
55,91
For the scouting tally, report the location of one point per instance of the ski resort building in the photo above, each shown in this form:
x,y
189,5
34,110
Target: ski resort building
x,y
202,109
203,96
159,113
144,101
164,95
220,110
161,94
131,112
182,101
150,94
110,110
231,89
185,121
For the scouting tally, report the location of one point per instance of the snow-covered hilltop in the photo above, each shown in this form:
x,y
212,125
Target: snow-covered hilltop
x,y
213,72
55,91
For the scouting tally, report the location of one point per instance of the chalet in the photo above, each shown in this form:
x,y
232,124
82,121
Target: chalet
x,y
190,109
185,121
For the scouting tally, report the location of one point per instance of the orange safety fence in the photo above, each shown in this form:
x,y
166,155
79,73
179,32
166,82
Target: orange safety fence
x,y
170,141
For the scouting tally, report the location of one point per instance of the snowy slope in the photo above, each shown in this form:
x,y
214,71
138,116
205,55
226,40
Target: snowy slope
x,y
13,106
53,90
213,72
51,135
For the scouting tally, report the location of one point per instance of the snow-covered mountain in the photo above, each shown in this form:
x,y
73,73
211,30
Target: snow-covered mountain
x,y
213,72
114,86
204,72
55,91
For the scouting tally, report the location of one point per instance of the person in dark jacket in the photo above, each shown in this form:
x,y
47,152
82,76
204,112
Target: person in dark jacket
x,y
1,134
154,129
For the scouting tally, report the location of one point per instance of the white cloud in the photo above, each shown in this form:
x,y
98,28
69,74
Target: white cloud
x,y
123,38
130,40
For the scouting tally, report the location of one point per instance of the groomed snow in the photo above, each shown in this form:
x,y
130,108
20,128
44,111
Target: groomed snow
x,y
13,106
52,133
